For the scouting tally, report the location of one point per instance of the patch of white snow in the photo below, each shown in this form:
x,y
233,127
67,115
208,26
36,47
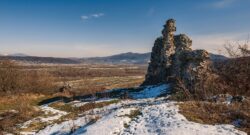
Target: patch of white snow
x,y
150,91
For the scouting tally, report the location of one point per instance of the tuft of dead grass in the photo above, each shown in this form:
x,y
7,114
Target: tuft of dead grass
x,y
93,105
134,113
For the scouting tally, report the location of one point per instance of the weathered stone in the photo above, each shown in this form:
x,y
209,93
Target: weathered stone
x,y
172,58
162,52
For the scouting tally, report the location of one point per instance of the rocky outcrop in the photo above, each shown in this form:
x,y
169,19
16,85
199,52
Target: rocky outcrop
x,y
161,54
173,59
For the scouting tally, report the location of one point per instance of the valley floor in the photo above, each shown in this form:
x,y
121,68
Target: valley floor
x,y
144,115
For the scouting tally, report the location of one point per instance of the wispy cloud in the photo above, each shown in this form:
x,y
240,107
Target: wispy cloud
x,y
97,15
92,16
84,17
223,3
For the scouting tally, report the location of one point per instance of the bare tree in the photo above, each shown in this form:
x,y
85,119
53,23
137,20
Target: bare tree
x,y
244,49
235,49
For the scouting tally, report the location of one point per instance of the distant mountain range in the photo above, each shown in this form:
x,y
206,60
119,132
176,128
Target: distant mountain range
x,y
18,54
15,54
41,60
123,58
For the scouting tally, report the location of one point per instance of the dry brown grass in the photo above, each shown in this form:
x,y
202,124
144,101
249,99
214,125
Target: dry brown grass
x,y
76,72
84,79
88,106
23,86
134,113
214,113
16,109
14,80
235,76
98,84
75,111
231,77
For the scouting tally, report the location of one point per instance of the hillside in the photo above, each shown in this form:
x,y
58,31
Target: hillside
x,y
123,58
40,60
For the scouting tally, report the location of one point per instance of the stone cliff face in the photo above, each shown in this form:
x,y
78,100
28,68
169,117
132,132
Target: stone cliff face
x,y
172,58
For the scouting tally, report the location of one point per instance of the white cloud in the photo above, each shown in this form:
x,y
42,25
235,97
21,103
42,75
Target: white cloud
x,y
223,3
84,17
96,15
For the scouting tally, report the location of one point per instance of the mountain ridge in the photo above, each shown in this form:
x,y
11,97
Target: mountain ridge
x,y
122,58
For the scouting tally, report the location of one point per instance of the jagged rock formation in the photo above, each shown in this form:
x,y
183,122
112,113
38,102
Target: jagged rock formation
x,y
161,54
173,59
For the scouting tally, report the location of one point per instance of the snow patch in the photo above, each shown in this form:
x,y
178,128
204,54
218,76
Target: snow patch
x,y
111,124
151,91
164,119
53,115
94,100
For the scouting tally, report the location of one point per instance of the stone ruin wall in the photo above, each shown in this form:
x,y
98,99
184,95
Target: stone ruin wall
x,y
172,58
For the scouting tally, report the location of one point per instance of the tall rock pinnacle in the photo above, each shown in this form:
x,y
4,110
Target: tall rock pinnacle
x,y
168,42
162,51
172,58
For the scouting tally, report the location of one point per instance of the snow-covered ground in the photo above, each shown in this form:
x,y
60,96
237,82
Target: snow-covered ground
x,y
164,119
51,114
158,116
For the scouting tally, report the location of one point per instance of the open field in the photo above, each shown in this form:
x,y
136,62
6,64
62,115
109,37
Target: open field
x,y
21,110
20,104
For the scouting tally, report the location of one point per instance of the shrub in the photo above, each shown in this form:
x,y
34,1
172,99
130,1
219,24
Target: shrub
x,y
235,75
228,77
237,49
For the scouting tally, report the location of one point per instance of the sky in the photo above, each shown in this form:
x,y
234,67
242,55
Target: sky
x,y
87,28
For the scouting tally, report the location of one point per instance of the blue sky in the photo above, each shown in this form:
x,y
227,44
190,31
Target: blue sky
x,y
84,28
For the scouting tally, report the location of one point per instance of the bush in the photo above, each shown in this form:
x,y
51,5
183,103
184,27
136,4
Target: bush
x,y
230,76
237,49
235,75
